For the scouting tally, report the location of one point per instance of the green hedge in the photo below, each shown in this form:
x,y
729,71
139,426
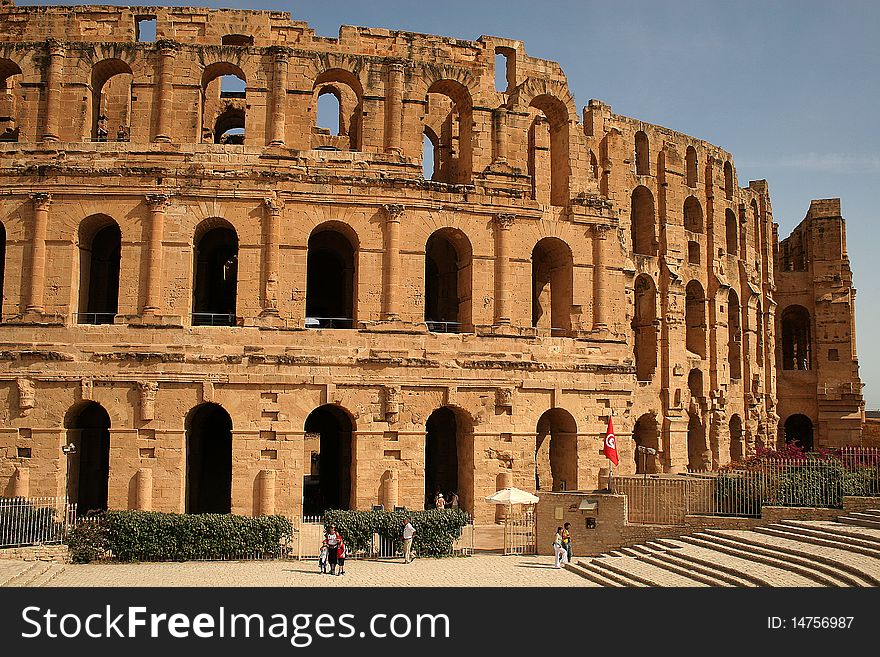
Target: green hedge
x,y
153,536
436,529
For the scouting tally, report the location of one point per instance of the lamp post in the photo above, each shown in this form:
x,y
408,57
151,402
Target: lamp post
x,y
69,450
644,451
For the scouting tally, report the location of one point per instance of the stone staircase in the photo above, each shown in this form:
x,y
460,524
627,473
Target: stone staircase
x,y
798,553
28,573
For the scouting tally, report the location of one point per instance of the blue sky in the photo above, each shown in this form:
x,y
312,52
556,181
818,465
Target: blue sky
x,y
791,88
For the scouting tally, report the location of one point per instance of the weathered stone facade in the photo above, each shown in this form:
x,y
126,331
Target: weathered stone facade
x,y
226,307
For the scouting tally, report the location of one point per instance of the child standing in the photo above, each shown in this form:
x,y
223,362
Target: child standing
x,y
341,553
322,558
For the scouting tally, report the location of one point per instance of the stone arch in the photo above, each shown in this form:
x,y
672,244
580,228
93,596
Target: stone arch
x,y
690,157
331,279
215,273
88,429
734,335
109,112
550,124
100,249
448,281
11,100
737,443
221,108
695,318
798,430
731,231
329,473
430,153
449,117
642,154
728,180
449,456
797,344
699,456
556,453
642,222
208,429
695,383
693,215
644,326
552,285
646,434
346,87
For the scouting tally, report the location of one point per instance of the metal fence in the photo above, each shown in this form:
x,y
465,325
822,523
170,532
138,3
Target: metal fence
x,y
34,521
519,534
817,481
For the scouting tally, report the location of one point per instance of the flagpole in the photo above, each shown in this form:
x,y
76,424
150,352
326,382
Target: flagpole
x,y
610,464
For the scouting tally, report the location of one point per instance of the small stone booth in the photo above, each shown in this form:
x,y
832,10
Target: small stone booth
x,y
596,518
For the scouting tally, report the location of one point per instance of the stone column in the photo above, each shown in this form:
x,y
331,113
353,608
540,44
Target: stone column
x,y
167,52
21,481
503,224
54,72
158,205
600,278
390,490
391,263
279,95
502,480
394,108
271,254
499,123
36,285
144,490
266,487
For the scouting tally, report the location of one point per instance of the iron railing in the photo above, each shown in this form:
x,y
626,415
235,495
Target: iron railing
x,y
34,521
94,318
214,319
329,322
443,327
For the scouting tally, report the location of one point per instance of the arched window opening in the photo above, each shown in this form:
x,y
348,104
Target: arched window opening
x,y
594,165
695,384
448,281
731,230
100,248
756,216
552,286
797,344
329,110
644,326
699,456
693,253
642,224
642,154
329,466
799,431
2,264
208,460
549,165
695,319
693,215
449,457
556,453
448,121
646,436
338,111
737,446
11,101
216,277
111,106
505,69
223,104
430,153
691,166
759,335
734,336
237,40
728,181
88,429
331,287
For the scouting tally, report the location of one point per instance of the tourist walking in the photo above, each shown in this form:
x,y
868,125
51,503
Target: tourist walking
x,y
453,501
341,553
439,502
333,540
322,558
408,532
558,550
566,540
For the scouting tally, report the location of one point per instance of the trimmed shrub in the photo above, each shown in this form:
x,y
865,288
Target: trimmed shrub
x,y
154,536
436,529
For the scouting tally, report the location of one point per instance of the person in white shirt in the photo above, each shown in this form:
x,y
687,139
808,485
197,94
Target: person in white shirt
x,y
408,532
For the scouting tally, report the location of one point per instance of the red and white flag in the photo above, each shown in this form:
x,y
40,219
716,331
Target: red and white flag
x,y
610,447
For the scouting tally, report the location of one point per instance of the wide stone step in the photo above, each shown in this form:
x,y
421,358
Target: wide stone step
x,y
12,568
823,539
752,554
715,563
859,520
48,575
702,570
590,572
614,573
688,571
799,553
25,577
640,573
869,536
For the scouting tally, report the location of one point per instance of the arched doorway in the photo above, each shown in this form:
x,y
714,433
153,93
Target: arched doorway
x,y
695,319
216,277
449,457
797,345
737,446
100,246
208,460
799,431
556,457
330,279
646,434
644,326
327,482
448,274
88,429
552,286
699,457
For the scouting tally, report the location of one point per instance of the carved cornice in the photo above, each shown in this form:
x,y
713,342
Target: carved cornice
x,y
41,200
504,220
158,201
273,205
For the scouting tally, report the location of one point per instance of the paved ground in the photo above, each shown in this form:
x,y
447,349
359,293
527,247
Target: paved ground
x,y
480,570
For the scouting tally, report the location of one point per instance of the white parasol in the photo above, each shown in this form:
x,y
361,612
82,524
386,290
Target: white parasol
x,y
510,496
